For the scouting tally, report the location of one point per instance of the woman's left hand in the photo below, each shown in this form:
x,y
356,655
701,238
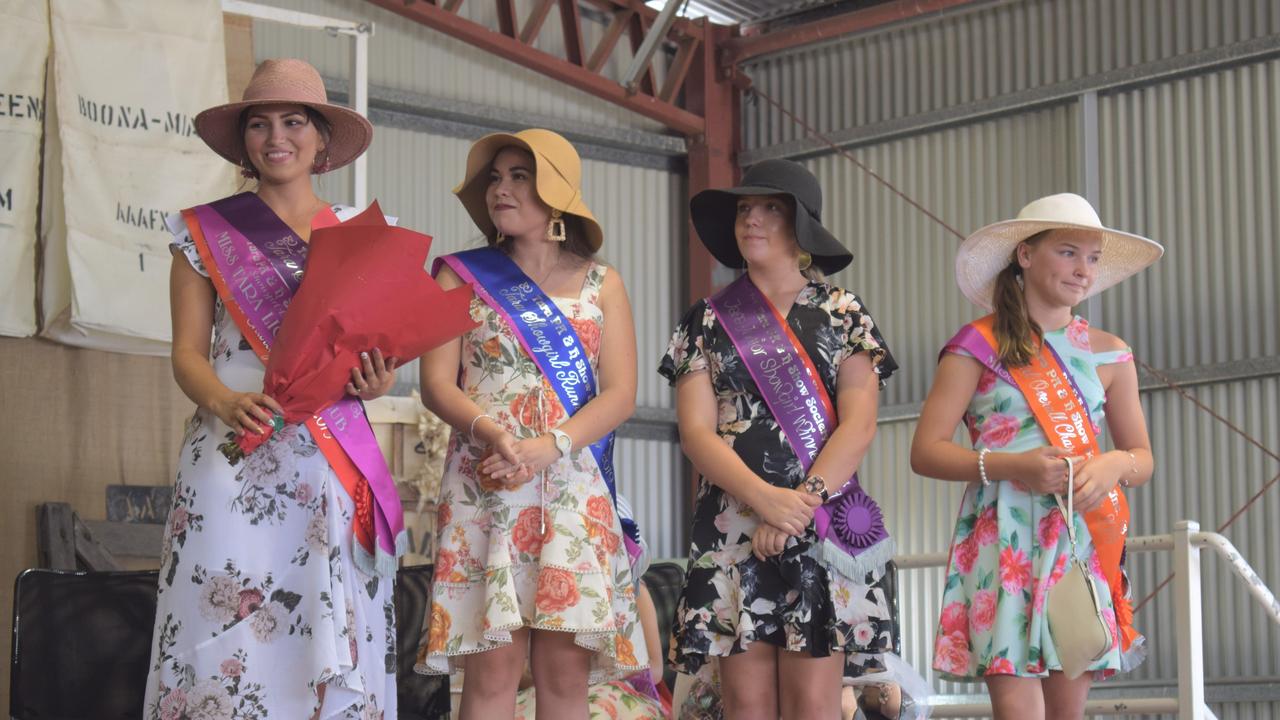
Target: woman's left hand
x,y
535,455
374,378
1097,477
768,541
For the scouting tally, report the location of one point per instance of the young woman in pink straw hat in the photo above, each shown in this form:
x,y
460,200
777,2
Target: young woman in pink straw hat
x,y
532,555
271,604
1044,514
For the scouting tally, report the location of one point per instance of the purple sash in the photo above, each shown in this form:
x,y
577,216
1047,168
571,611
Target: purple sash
x,y
971,341
851,527
260,260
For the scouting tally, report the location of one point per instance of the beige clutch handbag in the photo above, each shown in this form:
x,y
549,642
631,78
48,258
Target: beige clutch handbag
x,y
1080,632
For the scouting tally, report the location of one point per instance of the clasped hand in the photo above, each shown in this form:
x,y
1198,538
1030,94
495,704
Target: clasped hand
x,y
785,513
516,462
1044,470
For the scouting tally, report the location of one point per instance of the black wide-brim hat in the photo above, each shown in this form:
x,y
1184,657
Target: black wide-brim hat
x,y
714,213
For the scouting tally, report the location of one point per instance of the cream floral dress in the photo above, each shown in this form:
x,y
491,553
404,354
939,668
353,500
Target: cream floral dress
x,y
260,601
496,570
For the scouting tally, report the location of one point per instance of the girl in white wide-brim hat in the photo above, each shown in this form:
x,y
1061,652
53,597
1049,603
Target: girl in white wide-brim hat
x,y
1011,545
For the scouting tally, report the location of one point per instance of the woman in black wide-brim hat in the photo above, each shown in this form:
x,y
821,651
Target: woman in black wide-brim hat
x,y
762,594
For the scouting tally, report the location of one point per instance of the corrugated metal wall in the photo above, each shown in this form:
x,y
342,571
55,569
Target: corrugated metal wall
x,y
1195,164
1190,161
979,54
412,175
903,262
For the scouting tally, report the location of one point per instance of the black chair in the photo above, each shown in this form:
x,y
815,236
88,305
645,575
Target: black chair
x,y
82,642
665,581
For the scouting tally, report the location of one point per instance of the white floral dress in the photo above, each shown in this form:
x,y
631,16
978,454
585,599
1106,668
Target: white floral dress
x,y
260,602
496,571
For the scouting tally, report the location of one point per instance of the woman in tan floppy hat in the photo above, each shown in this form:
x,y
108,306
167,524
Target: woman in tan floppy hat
x,y
266,605
532,555
1034,384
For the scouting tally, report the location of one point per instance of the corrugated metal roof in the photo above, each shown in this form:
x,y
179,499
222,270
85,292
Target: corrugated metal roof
x,y
754,12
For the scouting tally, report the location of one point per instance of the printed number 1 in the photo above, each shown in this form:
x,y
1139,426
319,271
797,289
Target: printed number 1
x,y
140,267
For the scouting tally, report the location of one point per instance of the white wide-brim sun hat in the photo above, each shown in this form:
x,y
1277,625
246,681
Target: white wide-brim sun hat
x,y
986,252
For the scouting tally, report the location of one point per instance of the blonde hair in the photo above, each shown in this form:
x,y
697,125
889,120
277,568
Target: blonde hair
x,y
814,274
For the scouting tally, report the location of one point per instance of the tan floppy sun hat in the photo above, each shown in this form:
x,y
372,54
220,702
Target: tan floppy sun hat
x,y
986,252
558,181
286,81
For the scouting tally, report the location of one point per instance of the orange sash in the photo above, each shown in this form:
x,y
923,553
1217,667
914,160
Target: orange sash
x,y
1061,412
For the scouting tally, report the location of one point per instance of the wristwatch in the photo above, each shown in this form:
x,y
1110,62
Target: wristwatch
x,y
564,443
815,485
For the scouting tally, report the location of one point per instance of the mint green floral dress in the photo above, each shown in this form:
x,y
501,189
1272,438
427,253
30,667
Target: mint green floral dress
x,y
1009,546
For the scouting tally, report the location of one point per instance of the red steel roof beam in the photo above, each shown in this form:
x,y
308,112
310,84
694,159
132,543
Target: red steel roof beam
x,y
636,30
682,26
574,75
570,18
609,41
712,153
678,70
507,17
533,24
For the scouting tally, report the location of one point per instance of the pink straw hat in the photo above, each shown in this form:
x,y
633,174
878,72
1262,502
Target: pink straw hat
x,y
289,82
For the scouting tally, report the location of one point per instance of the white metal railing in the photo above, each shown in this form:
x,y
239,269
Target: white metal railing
x,y
1186,542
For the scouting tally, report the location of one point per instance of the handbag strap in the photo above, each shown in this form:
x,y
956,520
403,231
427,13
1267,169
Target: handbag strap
x,y
1068,509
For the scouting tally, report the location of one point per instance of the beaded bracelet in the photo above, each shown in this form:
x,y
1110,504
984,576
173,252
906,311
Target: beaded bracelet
x,y
982,466
1133,466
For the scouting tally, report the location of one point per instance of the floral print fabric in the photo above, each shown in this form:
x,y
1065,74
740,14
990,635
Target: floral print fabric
x,y
613,700
497,568
1011,545
260,602
730,598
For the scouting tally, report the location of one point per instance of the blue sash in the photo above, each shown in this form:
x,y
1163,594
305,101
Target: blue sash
x,y
546,335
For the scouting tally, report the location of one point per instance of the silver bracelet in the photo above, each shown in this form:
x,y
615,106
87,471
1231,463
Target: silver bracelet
x,y
982,466
471,431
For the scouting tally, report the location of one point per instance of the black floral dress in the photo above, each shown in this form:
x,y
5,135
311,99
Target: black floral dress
x,y
793,601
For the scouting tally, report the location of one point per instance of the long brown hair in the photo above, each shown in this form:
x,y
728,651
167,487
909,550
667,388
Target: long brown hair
x,y
1018,337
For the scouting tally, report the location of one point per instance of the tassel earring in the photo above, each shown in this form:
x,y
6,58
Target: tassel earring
x,y
555,228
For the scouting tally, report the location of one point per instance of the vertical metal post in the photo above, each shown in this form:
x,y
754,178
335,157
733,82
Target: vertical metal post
x,y
360,103
1186,583
712,153
1090,173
